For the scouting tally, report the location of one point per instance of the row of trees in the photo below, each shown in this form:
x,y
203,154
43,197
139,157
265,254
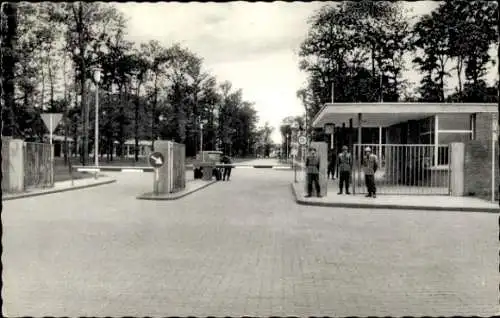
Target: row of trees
x,y
355,51
147,91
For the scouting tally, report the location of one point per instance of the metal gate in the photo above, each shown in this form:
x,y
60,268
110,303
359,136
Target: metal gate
x,y
38,166
405,169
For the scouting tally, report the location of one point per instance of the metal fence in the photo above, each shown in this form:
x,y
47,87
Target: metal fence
x,y
38,166
405,169
176,166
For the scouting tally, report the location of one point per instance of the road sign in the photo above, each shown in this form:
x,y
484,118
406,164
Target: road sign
x,y
51,120
302,140
294,152
156,159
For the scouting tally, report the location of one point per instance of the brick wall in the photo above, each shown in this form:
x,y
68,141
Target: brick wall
x,y
483,126
477,170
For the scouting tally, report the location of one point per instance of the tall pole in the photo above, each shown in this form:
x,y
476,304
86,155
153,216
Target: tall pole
x,y
96,132
381,89
96,150
494,134
201,137
333,93
51,152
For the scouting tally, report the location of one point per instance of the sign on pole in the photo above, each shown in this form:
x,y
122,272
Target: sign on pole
x,y
51,120
302,140
156,160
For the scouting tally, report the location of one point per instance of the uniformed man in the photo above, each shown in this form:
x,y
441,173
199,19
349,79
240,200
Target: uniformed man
x,y
312,169
227,169
345,167
370,166
332,164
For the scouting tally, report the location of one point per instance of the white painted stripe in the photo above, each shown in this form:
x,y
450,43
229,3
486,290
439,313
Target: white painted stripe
x,y
89,169
243,167
132,170
282,168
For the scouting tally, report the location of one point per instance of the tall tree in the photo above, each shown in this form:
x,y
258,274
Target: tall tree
x,y
9,38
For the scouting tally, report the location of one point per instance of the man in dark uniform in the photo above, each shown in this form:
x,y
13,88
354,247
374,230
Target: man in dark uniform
x,y
345,168
227,169
332,164
370,166
312,169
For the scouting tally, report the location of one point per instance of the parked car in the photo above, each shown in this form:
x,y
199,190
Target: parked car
x,y
205,158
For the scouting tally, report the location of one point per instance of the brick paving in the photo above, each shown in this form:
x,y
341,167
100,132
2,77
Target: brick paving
x,y
240,248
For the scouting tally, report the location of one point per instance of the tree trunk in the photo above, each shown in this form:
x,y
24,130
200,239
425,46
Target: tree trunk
x,y
153,113
8,65
459,76
51,81
83,80
42,96
66,112
122,120
136,130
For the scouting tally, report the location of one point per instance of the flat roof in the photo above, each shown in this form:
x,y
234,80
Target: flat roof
x,y
387,114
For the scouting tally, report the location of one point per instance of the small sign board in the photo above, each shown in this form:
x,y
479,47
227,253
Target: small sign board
x,y
51,120
156,159
329,129
302,140
294,152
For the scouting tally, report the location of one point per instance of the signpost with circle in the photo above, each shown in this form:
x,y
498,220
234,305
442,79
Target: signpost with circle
x,y
156,160
302,140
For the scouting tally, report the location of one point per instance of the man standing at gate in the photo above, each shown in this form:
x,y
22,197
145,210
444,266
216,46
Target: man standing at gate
x,y
370,166
312,169
332,164
344,165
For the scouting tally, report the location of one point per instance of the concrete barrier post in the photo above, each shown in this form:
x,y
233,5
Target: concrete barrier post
x,y
457,165
162,146
16,165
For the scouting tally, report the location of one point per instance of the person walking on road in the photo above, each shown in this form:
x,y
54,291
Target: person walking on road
x,y
332,164
344,165
227,169
312,169
370,166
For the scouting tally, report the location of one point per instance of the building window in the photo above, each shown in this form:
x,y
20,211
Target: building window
x,y
443,158
445,138
426,138
456,122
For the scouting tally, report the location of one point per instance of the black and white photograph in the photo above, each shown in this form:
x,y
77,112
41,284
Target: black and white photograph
x,y
258,159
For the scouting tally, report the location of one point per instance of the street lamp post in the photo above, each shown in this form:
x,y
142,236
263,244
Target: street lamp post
x,y
202,122
97,78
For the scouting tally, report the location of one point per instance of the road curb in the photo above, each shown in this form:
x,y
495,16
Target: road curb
x,y
389,206
35,194
173,196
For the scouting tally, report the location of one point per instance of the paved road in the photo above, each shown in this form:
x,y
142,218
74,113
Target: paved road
x,y
240,248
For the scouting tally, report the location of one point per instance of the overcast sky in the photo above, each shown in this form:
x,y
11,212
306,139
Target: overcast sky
x,y
253,45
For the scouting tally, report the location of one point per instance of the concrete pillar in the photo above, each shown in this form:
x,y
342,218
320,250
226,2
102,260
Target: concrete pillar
x,y
322,151
163,147
457,165
15,169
